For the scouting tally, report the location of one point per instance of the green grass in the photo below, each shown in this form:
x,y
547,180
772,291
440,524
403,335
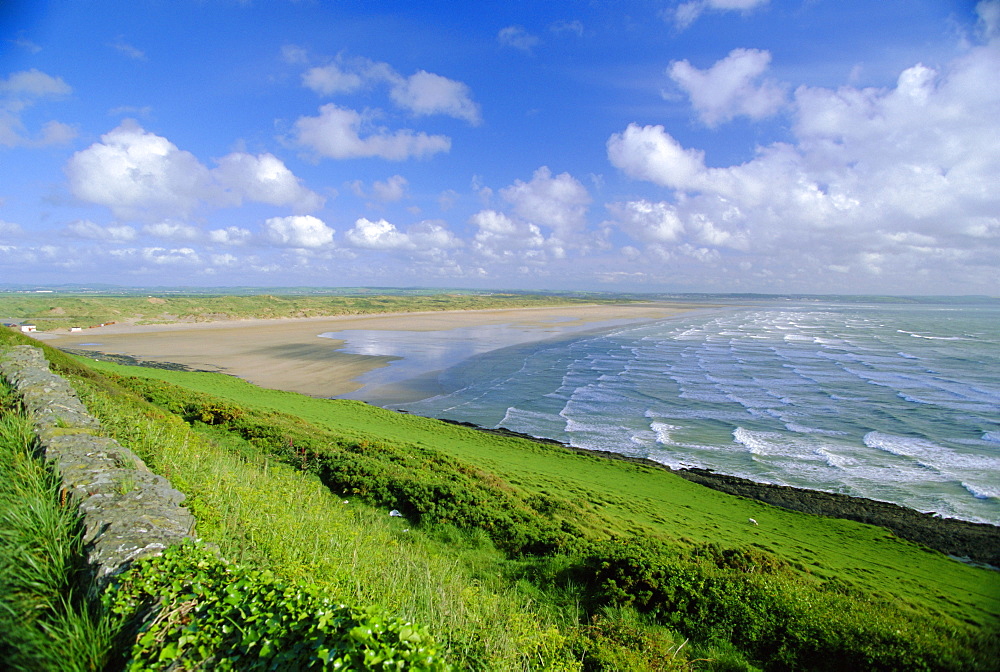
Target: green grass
x,y
622,497
52,311
43,592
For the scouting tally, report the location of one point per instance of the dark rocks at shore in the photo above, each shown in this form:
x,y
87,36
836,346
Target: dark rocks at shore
x,y
964,540
129,360
977,542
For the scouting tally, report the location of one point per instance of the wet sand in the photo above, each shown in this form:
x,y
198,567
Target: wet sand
x,y
289,354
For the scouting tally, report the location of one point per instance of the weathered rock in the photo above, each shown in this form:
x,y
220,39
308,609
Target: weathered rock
x,y
128,512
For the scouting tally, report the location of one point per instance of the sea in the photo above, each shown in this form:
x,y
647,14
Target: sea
x,y
894,400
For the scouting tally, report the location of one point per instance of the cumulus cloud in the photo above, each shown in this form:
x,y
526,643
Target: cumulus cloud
x,y
518,38
424,238
548,217
169,230
141,175
498,237
650,153
19,92
422,93
393,189
331,79
264,179
730,87
688,12
559,202
162,256
113,233
135,173
9,229
299,231
337,134
425,93
648,221
231,235
380,235
894,181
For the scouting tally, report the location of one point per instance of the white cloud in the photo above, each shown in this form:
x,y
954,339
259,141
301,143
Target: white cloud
x,y
688,12
518,38
330,79
393,189
425,239
989,19
20,91
501,238
650,153
894,181
26,44
425,93
172,231
647,221
140,175
34,83
575,27
299,231
433,236
559,202
380,235
729,88
231,235
336,134
294,54
128,50
422,93
9,229
137,174
264,179
161,256
114,233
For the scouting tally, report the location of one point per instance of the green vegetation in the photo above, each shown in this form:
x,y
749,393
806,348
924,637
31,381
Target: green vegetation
x,y
42,588
515,554
228,618
54,311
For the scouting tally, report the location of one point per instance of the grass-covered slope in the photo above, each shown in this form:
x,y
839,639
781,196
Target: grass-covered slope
x,y
789,589
611,497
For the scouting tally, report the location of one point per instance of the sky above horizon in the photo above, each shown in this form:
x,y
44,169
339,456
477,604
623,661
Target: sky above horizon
x,y
801,146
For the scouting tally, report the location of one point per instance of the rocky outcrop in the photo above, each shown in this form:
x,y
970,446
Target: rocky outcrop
x,y
128,512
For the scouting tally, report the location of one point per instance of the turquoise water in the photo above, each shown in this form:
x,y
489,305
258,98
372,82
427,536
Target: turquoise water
x,y
898,402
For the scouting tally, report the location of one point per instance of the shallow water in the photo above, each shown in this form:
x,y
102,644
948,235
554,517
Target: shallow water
x,y
897,402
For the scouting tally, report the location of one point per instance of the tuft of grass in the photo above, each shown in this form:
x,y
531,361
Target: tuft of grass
x,y
46,619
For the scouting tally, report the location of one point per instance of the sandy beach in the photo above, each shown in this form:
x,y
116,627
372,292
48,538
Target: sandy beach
x,y
289,354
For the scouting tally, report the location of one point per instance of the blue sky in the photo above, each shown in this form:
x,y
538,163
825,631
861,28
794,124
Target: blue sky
x,y
708,145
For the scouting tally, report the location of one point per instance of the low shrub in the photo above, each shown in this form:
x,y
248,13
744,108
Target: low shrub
x,y
189,609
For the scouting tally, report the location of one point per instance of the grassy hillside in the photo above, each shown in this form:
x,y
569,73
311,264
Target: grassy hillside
x,y
521,555
53,311
598,499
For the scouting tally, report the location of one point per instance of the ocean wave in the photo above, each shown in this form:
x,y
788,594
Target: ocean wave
x,y
982,492
931,455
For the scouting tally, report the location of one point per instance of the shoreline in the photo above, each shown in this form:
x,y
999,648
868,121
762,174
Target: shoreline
x,y
291,354
962,540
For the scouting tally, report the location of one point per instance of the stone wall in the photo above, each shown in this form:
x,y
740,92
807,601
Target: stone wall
x,y
128,511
